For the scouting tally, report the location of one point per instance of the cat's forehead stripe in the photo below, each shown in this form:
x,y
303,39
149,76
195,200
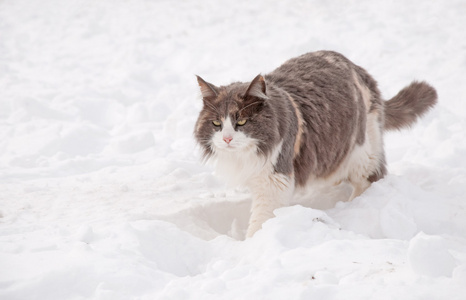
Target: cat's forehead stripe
x,y
228,126
228,107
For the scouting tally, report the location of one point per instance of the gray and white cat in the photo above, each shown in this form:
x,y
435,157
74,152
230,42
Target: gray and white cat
x,y
318,117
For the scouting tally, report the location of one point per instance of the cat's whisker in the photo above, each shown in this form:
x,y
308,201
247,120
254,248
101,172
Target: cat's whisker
x,y
251,104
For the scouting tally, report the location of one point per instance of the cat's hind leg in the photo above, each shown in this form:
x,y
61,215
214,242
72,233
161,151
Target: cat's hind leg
x,y
269,193
367,161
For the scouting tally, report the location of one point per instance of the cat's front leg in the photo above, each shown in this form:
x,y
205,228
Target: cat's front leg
x,y
269,193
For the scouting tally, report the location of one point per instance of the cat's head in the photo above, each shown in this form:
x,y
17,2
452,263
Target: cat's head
x,y
235,118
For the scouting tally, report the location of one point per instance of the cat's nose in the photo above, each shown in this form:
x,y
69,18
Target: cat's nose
x,y
227,139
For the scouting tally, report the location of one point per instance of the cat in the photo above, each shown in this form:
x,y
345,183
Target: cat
x,y
316,118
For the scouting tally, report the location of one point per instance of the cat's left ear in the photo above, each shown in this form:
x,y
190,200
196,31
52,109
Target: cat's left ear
x,y
257,88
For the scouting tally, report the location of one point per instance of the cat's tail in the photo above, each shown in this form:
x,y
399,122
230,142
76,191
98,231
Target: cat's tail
x,y
408,105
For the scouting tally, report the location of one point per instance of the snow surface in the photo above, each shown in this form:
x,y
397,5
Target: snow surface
x,y
102,193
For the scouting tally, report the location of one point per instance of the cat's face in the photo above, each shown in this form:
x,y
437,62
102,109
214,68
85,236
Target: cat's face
x,y
233,117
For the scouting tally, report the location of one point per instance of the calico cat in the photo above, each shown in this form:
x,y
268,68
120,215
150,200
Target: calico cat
x,y
318,117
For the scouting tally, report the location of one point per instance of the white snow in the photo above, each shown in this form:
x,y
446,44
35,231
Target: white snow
x,y
102,192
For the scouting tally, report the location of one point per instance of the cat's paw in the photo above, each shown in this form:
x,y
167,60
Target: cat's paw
x,y
252,229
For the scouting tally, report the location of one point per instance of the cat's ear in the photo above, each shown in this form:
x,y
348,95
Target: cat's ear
x,y
208,90
257,88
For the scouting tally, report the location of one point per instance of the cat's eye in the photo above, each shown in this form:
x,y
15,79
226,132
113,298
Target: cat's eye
x,y
241,122
217,123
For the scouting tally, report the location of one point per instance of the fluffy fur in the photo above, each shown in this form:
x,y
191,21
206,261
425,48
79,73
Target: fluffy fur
x,y
318,117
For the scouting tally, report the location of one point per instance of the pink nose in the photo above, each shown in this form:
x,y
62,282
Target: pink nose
x,y
227,139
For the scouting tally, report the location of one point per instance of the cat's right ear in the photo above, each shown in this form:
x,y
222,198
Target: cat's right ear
x,y
208,90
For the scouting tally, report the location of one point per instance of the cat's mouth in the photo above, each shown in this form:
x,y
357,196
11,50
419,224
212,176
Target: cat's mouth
x,y
229,147
235,147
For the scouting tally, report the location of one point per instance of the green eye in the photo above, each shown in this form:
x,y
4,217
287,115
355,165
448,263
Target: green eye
x,y
241,122
217,123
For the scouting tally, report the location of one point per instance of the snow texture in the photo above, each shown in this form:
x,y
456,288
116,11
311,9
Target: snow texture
x,y
102,192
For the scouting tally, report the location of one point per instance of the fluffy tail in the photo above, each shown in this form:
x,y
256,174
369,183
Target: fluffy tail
x,y
408,105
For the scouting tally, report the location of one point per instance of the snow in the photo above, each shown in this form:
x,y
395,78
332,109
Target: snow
x,y
102,192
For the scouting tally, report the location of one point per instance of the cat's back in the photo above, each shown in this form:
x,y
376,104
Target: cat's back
x,y
318,67
324,84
